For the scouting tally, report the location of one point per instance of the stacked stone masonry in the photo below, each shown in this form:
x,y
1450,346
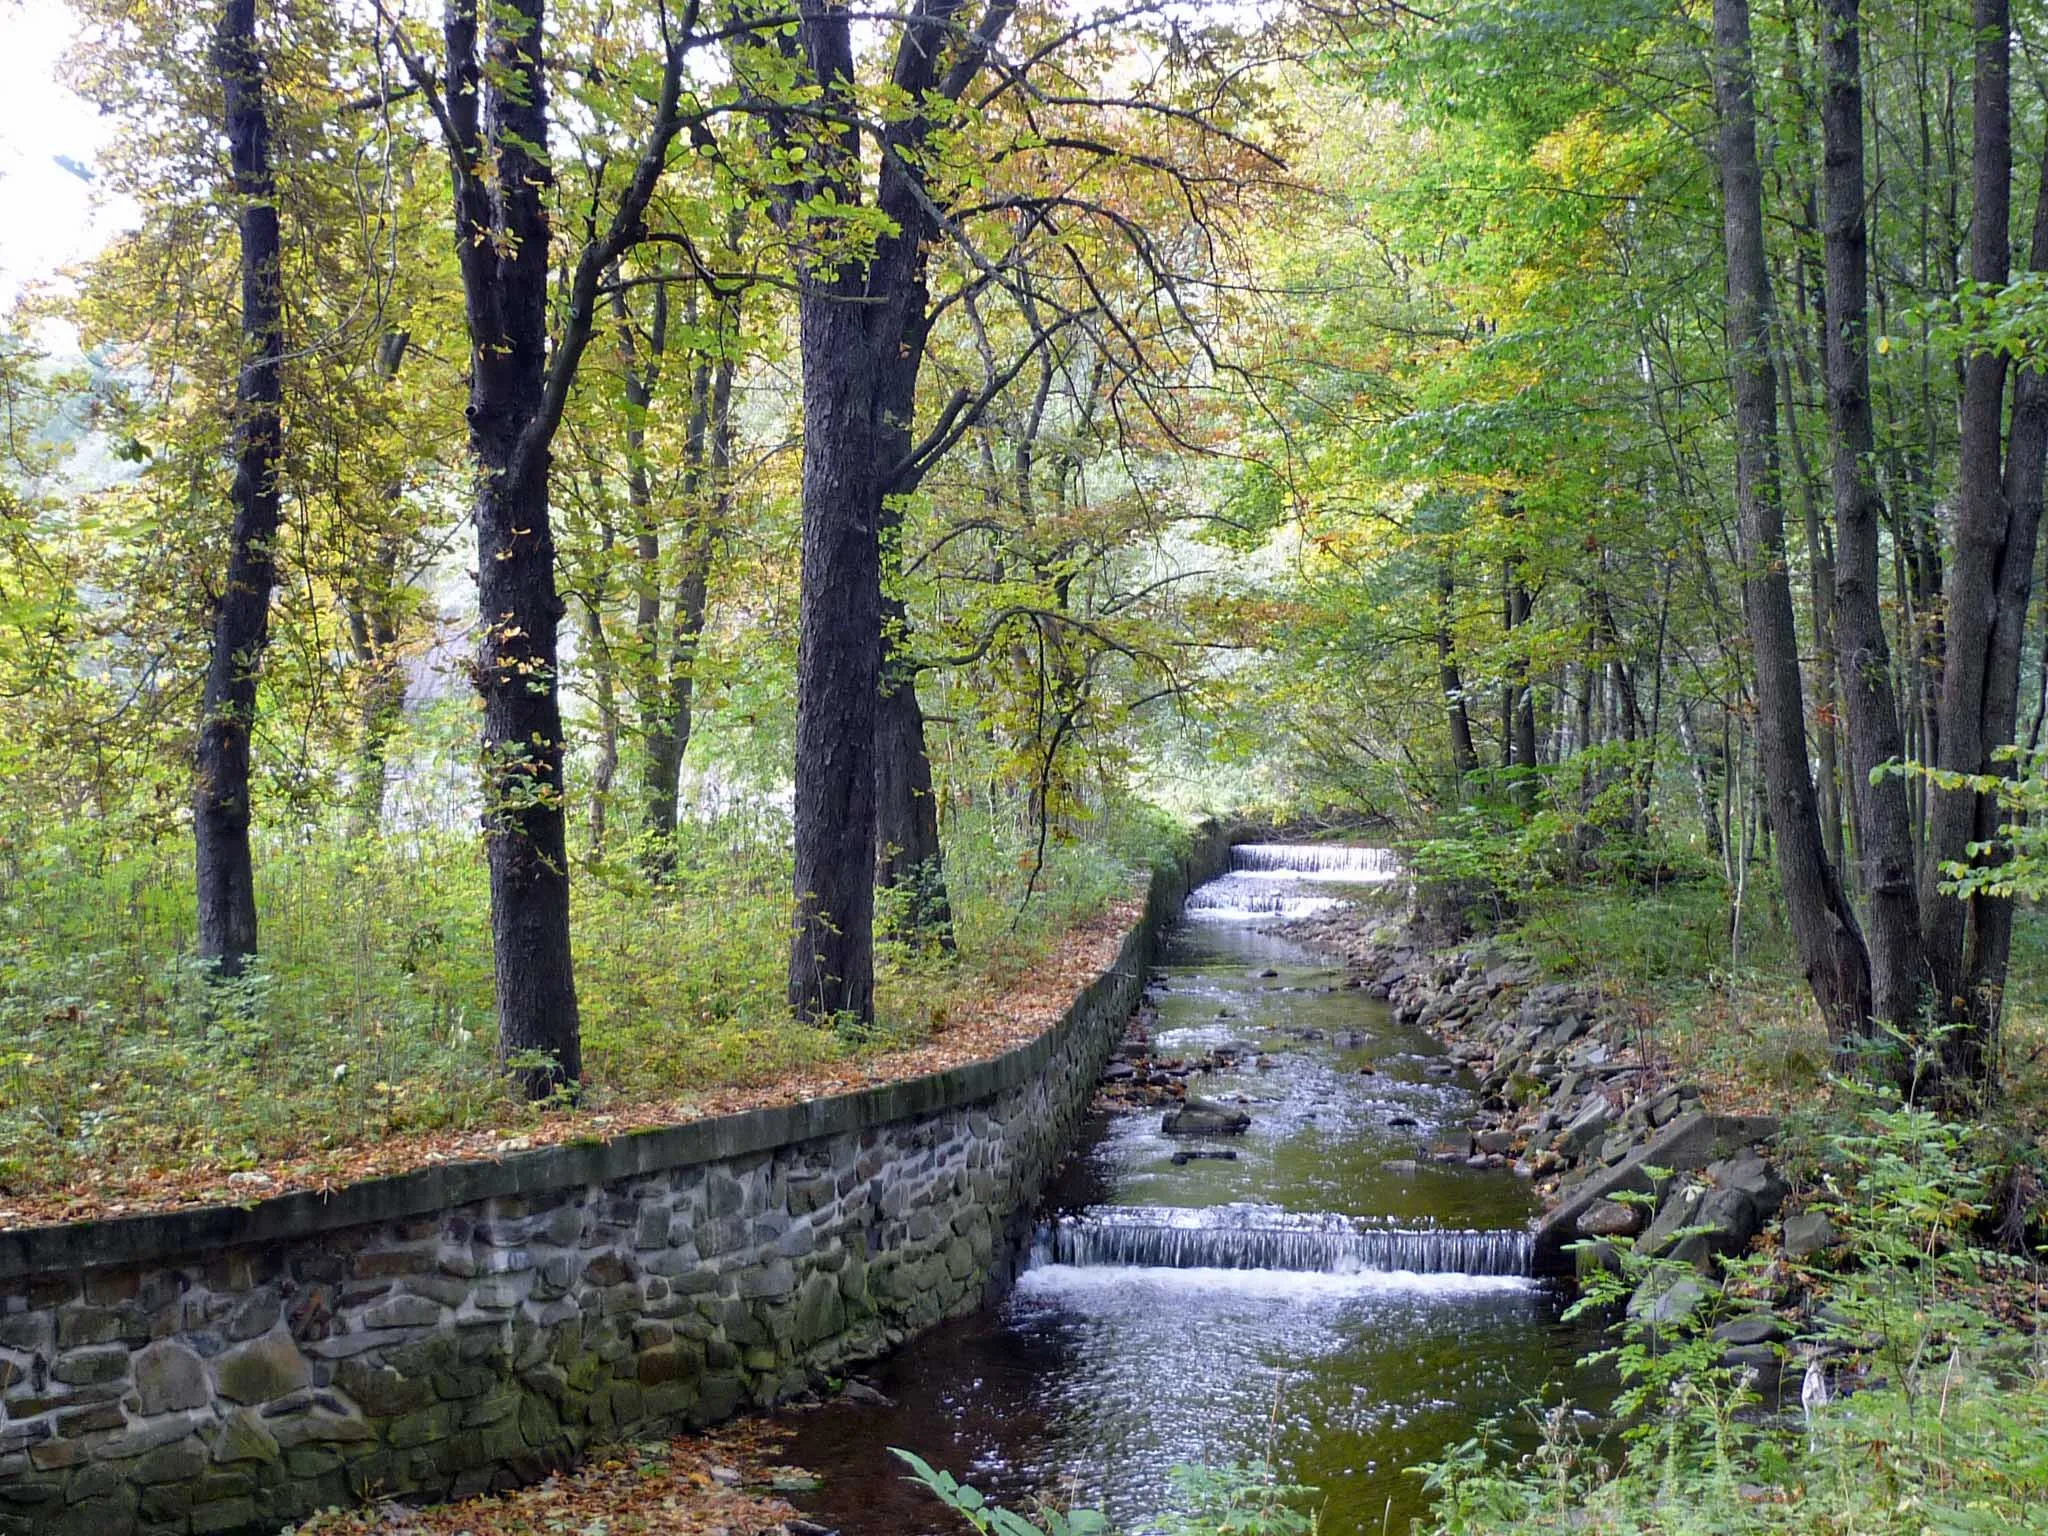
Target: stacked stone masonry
x,y
235,1386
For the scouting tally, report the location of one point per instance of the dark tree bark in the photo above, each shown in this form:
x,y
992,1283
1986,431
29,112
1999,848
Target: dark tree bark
x,y
854,318
495,123
1979,541
500,119
1519,704
241,621
1884,830
2026,466
908,858
1991,566
1824,928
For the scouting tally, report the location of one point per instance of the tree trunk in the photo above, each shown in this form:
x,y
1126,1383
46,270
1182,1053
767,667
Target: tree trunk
x,y
1884,832
373,619
241,621
2026,463
605,689
502,242
642,375
839,645
908,856
859,321
1981,533
1823,928
1464,757
373,638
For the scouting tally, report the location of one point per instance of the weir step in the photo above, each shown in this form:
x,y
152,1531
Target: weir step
x,y
1263,1237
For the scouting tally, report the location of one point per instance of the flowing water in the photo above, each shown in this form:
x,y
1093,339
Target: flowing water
x,y
1332,1299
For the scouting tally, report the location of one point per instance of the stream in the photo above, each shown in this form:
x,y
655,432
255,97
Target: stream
x,y
1332,1299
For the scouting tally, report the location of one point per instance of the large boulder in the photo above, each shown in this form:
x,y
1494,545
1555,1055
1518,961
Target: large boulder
x,y
1690,1142
1203,1117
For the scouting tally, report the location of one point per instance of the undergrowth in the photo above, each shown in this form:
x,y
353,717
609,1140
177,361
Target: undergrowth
x,y
369,1013
1916,1408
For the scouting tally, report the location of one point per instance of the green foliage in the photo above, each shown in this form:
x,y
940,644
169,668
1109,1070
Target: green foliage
x,y
1235,1500
966,1501
1943,1434
1242,1499
368,1015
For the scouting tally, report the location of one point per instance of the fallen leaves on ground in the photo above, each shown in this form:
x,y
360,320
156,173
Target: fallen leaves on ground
x,y
984,1020
694,1485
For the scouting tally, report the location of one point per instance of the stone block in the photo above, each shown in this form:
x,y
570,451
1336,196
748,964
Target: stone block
x,y
423,1427
243,1437
261,1370
92,1366
168,1376
768,1280
256,1314
403,1312
382,1391
172,1463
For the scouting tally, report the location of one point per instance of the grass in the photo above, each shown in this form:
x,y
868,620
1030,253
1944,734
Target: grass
x,y
369,1015
1742,1022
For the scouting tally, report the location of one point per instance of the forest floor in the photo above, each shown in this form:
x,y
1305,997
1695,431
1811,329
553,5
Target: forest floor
x,y
360,1047
722,1483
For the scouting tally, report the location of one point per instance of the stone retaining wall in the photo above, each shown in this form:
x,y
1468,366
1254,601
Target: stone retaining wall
x,y
474,1325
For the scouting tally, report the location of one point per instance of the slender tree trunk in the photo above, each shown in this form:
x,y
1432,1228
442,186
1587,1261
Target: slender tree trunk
x,y
642,359
1823,927
1464,757
1702,786
241,620
2026,466
1981,533
373,621
501,123
1884,834
605,687
380,705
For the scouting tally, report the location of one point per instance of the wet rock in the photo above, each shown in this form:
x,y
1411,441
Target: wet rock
x,y
1203,1154
1203,1117
1266,975
1496,1141
1403,1123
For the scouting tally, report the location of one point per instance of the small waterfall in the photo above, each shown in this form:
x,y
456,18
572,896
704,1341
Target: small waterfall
x,y
1316,861
1259,1237
1229,896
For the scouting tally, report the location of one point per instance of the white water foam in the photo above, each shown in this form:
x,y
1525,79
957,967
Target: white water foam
x,y
1055,1281
1315,861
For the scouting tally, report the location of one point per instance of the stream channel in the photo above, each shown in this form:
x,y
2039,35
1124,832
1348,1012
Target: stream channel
x,y
1332,1300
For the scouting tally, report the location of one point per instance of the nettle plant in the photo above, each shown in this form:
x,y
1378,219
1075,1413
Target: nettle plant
x,y
1241,1499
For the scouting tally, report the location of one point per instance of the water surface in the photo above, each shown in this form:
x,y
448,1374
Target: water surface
x,y
1093,1379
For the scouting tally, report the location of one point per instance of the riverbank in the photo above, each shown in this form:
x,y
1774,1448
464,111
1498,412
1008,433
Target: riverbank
x,y
1788,1291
